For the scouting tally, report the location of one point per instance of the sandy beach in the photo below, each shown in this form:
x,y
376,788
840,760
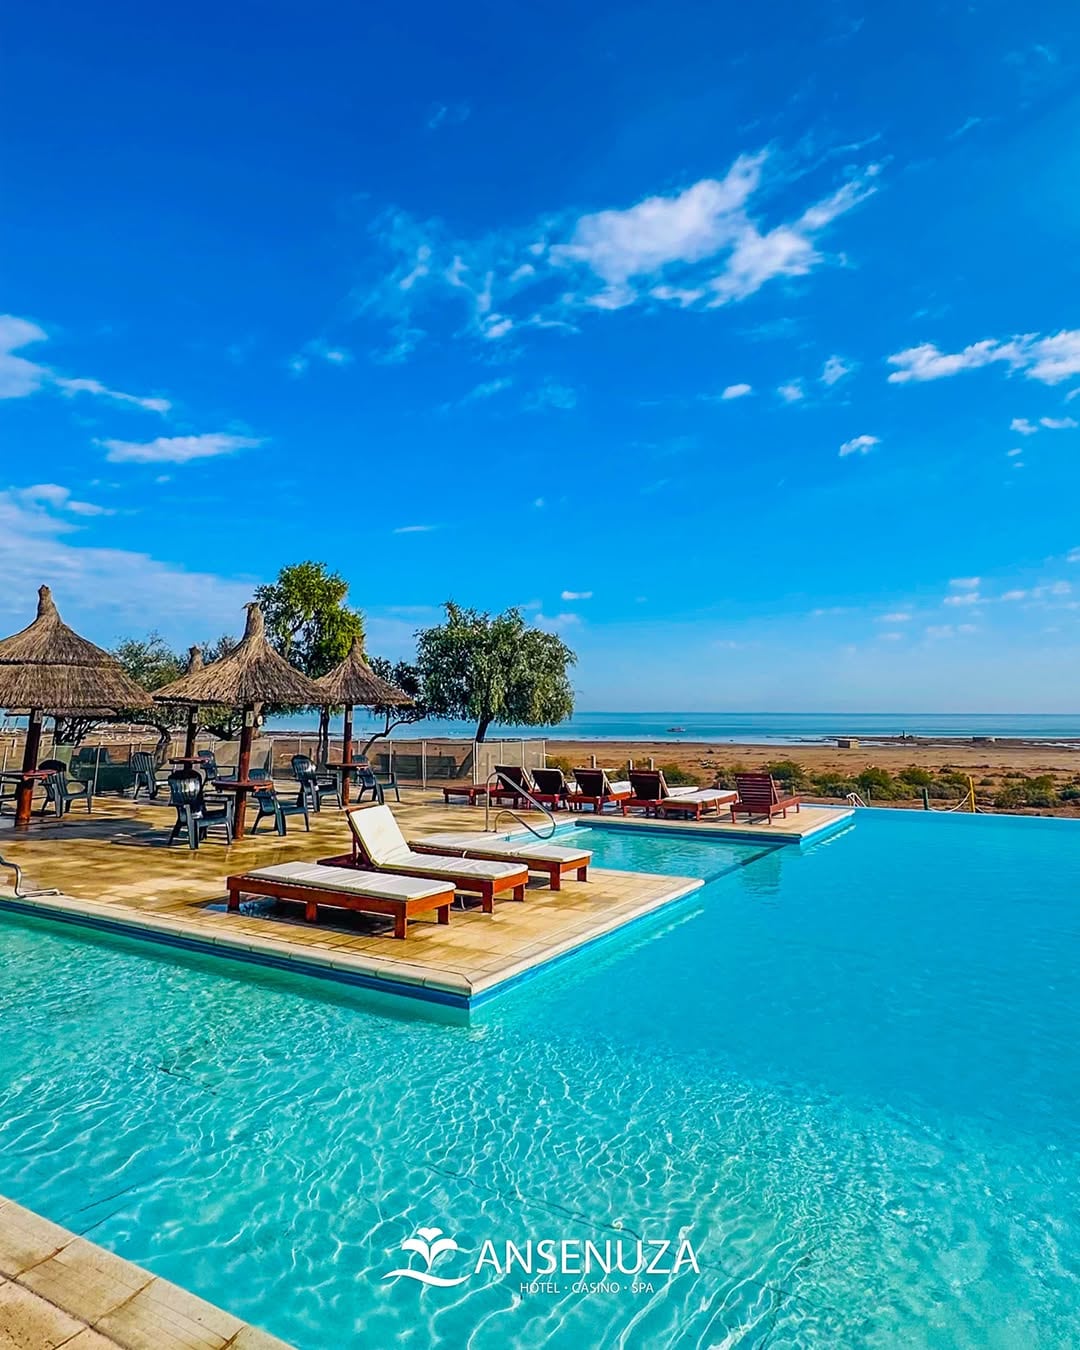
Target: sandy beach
x,y
993,766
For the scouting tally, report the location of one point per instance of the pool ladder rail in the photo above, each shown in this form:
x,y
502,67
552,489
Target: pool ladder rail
x,y
20,894
496,777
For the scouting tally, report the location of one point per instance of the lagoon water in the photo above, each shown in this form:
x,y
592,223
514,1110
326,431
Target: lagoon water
x,y
753,728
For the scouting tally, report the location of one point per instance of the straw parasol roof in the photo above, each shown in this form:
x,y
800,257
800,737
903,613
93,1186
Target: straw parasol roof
x,y
353,681
252,673
49,666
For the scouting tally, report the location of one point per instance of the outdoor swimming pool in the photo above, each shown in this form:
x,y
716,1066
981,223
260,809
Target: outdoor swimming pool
x,y
848,1074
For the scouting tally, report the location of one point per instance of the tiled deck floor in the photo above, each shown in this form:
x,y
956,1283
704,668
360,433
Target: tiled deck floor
x,y
58,1290
116,866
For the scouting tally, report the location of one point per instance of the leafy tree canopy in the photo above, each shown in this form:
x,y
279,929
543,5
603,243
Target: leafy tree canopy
x,y
494,668
307,619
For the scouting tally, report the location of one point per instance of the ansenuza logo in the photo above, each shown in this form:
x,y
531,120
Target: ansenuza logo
x,y
550,1256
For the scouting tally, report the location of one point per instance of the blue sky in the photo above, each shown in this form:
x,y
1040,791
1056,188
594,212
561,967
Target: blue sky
x,y
737,344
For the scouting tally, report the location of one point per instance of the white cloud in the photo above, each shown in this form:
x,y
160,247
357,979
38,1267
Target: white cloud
x,y
415,529
1015,595
576,595
736,391
964,598
696,248
556,622
1073,555
834,369
1058,423
318,350
1011,454
965,583
551,394
58,498
1048,359
900,616
1023,426
20,377
447,115
948,630
479,393
106,592
859,445
176,449
792,392
890,637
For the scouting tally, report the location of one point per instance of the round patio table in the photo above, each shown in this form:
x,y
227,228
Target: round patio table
x,y
241,787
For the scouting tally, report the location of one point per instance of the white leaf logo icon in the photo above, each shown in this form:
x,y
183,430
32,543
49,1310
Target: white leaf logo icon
x,y
428,1243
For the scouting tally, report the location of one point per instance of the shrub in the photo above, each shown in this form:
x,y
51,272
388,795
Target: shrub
x,y
1037,791
832,783
561,762
1070,792
675,776
790,774
878,783
915,777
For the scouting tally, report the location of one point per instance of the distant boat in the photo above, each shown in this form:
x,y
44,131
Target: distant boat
x,y
670,729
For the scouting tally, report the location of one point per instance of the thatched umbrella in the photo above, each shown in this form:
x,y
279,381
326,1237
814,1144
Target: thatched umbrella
x,y
353,683
252,673
48,667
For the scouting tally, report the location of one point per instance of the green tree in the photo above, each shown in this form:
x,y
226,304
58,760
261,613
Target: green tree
x,y
486,668
406,677
150,662
309,623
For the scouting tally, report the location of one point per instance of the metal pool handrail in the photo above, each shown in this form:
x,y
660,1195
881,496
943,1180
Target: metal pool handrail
x,y
20,894
495,777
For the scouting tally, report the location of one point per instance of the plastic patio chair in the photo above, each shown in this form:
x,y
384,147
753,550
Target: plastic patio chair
x,y
271,805
195,817
313,784
59,793
144,768
212,768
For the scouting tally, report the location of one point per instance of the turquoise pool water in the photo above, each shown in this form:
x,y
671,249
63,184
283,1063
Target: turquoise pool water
x,y
848,1074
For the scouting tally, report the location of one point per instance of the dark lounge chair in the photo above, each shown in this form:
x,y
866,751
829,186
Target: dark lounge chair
x,y
595,789
514,785
144,773
652,794
552,788
760,796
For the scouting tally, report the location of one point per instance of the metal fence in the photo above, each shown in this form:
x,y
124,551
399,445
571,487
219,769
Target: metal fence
x,y
106,760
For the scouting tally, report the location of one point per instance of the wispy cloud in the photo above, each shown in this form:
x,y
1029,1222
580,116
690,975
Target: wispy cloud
x,y
965,583
898,616
702,247
415,529
447,115
576,595
20,377
736,391
176,449
1022,426
859,445
57,498
834,370
1058,423
479,393
318,350
1048,359
552,394
792,392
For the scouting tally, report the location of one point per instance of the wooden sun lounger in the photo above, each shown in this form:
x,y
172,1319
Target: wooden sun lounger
x,y
649,789
314,884
379,846
553,861
552,789
759,796
594,789
472,792
695,804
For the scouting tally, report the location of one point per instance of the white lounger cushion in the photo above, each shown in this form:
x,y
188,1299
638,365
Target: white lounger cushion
x,y
356,883
483,843
380,838
620,786
706,795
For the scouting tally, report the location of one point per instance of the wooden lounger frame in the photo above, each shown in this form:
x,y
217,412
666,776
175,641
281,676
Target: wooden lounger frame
x,y
485,887
554,868
400,909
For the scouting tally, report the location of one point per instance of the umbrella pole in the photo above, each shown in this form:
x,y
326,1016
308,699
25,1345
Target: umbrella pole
x,y
25,795
243,768
346,755
192,732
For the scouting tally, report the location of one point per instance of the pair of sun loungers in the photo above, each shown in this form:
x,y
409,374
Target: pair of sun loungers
x,y
384,874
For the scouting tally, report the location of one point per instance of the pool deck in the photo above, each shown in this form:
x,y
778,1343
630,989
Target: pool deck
x,y
59,1290
115,871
